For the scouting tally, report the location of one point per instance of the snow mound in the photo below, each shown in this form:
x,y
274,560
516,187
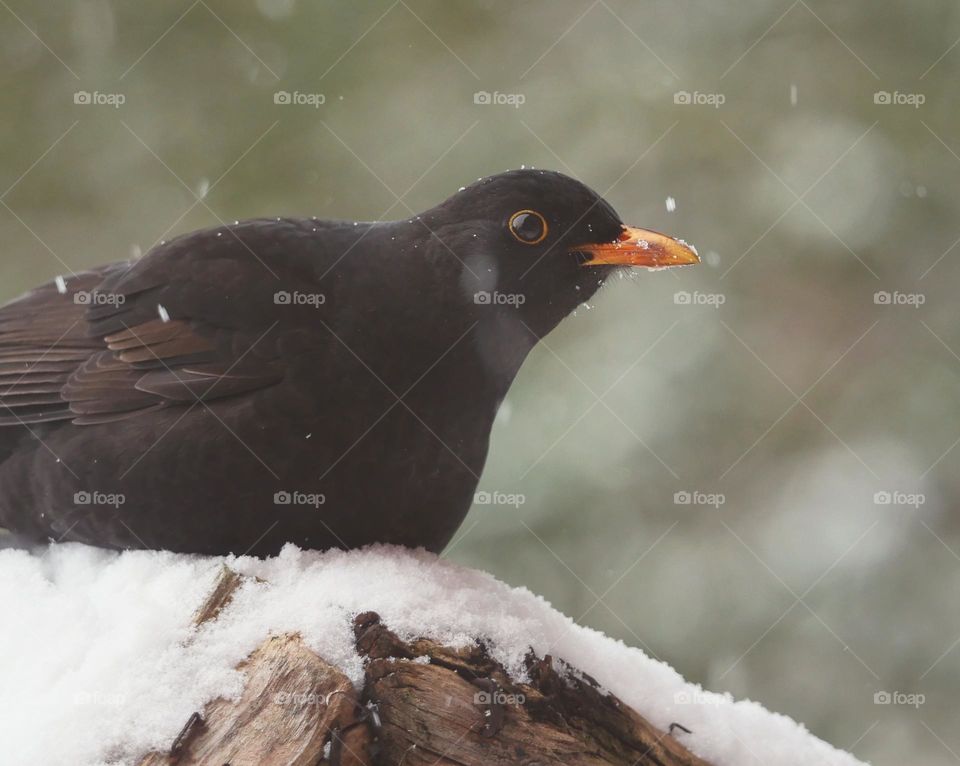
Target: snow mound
x,y
100,663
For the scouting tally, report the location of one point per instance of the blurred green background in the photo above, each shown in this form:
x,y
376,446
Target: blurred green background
x,y
815,166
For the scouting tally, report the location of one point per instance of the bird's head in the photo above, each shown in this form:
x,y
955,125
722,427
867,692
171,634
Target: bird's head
x,y
537,243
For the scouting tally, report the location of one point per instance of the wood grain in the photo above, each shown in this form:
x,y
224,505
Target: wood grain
x,y
423,704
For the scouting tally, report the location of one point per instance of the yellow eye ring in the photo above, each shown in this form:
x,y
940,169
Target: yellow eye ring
x,y
528,227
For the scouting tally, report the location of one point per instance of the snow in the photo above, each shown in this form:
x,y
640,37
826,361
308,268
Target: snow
x,y
671,204
98,647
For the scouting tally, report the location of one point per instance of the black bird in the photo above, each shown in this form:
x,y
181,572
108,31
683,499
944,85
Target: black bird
x,y
294,380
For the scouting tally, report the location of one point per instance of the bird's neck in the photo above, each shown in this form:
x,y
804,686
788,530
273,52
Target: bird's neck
x,y
502,343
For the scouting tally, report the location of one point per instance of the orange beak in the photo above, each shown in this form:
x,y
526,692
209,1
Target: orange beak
x,y
641,247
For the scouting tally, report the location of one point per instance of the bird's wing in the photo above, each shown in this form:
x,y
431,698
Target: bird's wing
x,y
104,346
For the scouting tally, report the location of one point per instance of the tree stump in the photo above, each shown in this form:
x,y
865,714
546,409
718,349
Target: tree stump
x,y
421,703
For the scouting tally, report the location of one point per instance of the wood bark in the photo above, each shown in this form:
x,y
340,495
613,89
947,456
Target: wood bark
x,y
421,703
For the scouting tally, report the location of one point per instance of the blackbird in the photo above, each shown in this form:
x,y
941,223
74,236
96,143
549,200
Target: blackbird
x,y
326,383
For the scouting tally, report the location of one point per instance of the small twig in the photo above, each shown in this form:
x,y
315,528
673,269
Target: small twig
x,y
190,729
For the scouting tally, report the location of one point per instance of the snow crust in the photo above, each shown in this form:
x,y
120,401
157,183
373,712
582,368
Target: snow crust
x,y
99,663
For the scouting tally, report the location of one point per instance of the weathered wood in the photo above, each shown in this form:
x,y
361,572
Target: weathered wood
x,y
292,703
422,703
459,707
222,594
289,706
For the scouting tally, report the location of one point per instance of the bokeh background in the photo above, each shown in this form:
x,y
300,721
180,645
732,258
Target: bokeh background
x,y
809,364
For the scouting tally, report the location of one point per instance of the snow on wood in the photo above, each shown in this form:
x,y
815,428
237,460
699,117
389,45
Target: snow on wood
x,y
116,652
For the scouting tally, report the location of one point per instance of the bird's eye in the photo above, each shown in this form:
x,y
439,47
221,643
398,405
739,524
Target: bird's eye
x,y
528,226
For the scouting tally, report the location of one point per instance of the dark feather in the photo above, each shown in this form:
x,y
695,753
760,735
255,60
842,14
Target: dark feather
x,y
63,359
